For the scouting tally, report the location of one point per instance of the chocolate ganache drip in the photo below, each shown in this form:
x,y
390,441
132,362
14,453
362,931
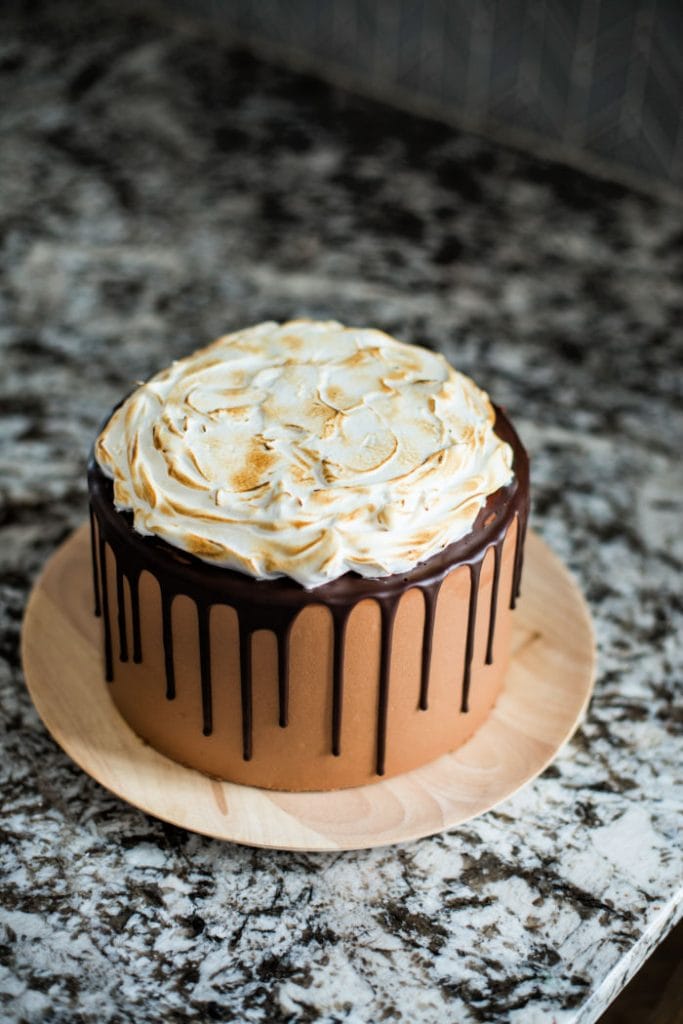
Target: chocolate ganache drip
x,y
274,604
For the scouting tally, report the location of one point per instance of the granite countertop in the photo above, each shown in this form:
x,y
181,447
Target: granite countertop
x,y
159,189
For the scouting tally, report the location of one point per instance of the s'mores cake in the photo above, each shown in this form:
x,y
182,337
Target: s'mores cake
x,y
307,542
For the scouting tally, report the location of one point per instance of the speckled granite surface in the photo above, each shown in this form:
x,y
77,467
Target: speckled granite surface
x,y
157,190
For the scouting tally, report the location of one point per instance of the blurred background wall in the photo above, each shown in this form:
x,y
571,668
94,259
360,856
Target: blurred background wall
x,y
591,79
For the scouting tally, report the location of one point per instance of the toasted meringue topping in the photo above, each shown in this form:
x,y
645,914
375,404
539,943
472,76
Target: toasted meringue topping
x,y
306,449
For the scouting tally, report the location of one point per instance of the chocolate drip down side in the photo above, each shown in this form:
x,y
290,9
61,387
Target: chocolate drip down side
x,y
339,618
497,561
274,604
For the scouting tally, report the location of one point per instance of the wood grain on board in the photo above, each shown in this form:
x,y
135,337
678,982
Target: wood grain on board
x,y
546,693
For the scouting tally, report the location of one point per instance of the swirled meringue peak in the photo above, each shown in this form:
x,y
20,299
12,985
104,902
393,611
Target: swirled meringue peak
x,y
306,449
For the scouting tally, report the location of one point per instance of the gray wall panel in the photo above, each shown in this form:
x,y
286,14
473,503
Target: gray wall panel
x,y
602,77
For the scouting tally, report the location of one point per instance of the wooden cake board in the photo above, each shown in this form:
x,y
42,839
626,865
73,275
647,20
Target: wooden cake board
x,y
546,694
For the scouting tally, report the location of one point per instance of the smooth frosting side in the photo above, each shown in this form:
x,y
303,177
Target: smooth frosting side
x,y
306,449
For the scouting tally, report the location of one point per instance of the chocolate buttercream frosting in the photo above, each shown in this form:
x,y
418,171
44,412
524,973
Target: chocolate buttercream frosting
x,y
273,604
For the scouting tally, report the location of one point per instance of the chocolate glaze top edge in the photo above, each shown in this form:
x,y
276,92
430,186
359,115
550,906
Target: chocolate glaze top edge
x,y
227,585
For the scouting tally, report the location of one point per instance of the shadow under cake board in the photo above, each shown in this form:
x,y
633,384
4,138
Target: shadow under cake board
x,y
546,693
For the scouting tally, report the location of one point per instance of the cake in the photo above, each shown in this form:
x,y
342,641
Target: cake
x,y
307,542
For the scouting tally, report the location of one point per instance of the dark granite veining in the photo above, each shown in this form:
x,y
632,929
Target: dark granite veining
x,y
159,189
